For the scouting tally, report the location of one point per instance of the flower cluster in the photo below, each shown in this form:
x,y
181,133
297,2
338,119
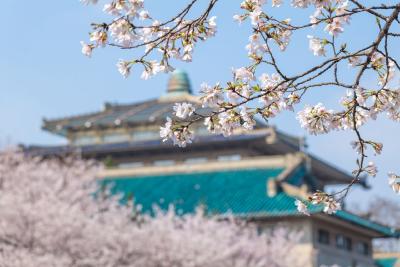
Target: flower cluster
x,y
133,27
330,204
317,119
180,135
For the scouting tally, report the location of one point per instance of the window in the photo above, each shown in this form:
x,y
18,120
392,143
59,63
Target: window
x,y
348,243
195,160
343,242
145,135
235,157
323,237
164,163
115,138
85,140
362,248
128,165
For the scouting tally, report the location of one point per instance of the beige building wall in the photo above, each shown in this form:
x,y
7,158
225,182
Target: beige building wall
x,y
329,254
311,253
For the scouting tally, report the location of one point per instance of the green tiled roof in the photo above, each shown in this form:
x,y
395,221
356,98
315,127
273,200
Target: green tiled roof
x,y
386,262
239,192
366,223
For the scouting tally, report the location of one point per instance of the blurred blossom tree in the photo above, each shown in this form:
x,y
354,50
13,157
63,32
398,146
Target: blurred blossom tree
x,y
236,104
50,217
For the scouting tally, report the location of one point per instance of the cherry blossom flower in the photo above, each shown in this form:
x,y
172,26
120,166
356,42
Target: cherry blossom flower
x,y
124,67
212,26
86,49
166,131
238,18
180,136
277,3
248,120
183,110
255,16
317,119
331,206
243,74
317,46
121,31
256,47
228,122
334,27
112,9
270,82
212,96
152,69
300,3
99,37
314,17
342,10
394,182
144,14
371,169
301,207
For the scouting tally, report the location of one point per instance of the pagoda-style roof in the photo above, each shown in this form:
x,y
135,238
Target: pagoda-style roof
x,y
242,192
113,116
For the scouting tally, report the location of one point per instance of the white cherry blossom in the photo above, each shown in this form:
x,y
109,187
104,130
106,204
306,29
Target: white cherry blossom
x,y
317,46
124,67
317,119
166,131
334,27
371,169
212,96
144,14
99,37
394,182
86,49
301,207
183,110
243,74
331,206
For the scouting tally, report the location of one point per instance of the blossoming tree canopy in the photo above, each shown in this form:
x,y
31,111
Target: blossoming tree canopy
x,y
264,88
49,217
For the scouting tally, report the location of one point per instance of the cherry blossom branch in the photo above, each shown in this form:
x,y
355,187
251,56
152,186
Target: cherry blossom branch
x,y
244,97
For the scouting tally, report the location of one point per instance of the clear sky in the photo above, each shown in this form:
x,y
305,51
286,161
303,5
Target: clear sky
x,y
44,75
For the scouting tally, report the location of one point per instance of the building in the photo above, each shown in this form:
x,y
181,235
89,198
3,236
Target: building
x,y
254,175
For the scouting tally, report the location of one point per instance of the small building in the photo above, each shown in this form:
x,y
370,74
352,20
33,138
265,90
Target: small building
x,y
254,175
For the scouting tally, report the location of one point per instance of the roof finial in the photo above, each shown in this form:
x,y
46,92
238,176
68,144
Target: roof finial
x,y
179,83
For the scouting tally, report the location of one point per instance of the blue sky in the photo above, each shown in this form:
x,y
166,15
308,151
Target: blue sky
x,y
44,75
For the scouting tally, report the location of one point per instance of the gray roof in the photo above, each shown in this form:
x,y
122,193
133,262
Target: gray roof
x,y
130,115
